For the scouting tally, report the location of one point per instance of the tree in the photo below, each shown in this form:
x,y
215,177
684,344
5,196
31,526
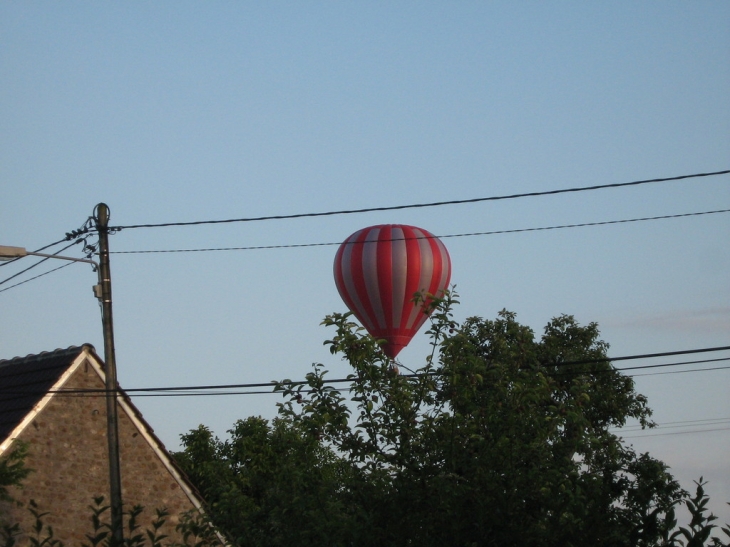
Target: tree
x,y
13,469
500,438
268,484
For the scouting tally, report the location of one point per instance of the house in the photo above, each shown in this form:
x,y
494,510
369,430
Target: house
x,y
55,402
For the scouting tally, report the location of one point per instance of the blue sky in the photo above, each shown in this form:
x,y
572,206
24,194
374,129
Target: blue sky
x,y
182,111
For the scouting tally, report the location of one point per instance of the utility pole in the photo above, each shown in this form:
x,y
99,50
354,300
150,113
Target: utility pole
x,y
103,291
101,216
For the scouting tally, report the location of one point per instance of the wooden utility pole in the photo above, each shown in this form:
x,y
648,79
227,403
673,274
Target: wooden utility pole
x,y
101,216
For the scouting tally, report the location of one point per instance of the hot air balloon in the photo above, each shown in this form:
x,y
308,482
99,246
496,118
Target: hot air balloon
x,y
379,269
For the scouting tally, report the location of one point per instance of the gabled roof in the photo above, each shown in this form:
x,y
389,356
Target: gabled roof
x,y
28,383
24,381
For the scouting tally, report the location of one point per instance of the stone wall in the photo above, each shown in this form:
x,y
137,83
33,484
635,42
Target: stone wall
x,y
68,452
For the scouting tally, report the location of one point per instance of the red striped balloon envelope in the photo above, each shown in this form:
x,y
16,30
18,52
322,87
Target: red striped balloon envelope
x,y
379,270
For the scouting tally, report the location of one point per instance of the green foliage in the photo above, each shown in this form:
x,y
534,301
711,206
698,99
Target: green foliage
x,y
501,438
41,533
9,534
13,469
101,531
196,531
697,534
267,484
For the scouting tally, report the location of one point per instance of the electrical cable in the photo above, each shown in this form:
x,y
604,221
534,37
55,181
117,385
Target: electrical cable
x,y
36,277
642,356
198,388
36,264
676,433
681,423
651,366
681,371
495,232
422,205
345,389
5,263
199,393
342,380
192,393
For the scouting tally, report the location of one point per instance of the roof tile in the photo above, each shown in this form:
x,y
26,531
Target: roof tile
x,y
25,380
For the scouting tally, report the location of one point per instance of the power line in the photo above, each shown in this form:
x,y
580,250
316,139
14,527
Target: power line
x,y
495,232
198,388
342,380
681,423
631,429
684,424
422,205
250,248
36,277
671,364
682,371
677,433
642,356
36,264
344,389
36,251
198,391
